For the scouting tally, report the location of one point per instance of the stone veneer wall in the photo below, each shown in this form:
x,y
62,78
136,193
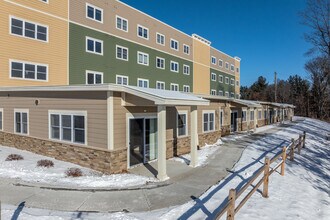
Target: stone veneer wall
x,y
208,138
97,159
261,123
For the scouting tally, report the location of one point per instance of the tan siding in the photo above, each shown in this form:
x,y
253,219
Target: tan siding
x,y
225,58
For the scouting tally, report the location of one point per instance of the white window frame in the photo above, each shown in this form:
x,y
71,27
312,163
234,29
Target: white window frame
x,y
1,122
185,46
220,93
144,55
259,114
232,68
16,110
232,95
227,94
174,85
186,88
143,80
94,73
244,119
209,112
177,42
162,35
177,64
232,81
72,114
163,59
123,48
121,26
23,76
95,7
95,40
227,65
213,58
227,80
252,113
144,28
186,67
213,77
186,123
160,83
221,63
213,92
122,77
221,78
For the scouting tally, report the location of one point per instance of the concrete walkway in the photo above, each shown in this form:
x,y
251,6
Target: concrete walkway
x,y
185,183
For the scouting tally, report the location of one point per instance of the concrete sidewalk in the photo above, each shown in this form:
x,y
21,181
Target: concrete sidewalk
x,y
185,183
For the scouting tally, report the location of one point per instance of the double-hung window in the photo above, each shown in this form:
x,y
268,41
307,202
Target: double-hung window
x,y
243,116
143,32
232,68
160,85
94,46
182,124
220,78
186,49
174,66
1,119
143,58
29,71
121,80
174,44
213,92
160,39
226,80
144,83
220,63
259,115
227,65
94,13
213,77
186,69
232,82
220,93
160,63
186,88
121,23
29,29
265,114
66,126
227,94
214,60
122,53
232,95
252,115
21,121
93,77
174,87
208,121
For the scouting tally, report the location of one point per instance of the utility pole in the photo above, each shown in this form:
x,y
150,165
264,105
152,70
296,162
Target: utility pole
x,y
275,85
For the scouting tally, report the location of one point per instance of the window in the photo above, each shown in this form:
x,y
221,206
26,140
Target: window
x,y
94,13
186,49
160,63
252,115
232,95
186,69
94,46
213,92
232,68
237,96
237,83
213,77
160,85
29,29
174,87
143,58
214,60
232,81
1,119
121,80
221,117
160,39
265,114
220,78
220,63
220,93
21,121
227,94
227,65
94,77
259,115
174,44
208,121
29,71
121,23
174,66
182,124
226,80
144,83
243,116
143,32
70,127
237,69
186,88
122,53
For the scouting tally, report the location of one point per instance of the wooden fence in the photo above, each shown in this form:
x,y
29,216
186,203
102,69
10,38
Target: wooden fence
x,y
231,208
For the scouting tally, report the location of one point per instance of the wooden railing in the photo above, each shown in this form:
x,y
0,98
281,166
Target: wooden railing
x,y
231,208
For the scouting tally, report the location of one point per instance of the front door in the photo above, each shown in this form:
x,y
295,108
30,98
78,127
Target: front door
x,y
233,120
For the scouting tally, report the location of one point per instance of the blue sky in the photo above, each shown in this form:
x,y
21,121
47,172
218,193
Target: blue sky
x,y
265,34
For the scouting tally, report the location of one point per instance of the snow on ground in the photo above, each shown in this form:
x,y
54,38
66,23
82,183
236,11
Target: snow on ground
x,y
203,154
27,171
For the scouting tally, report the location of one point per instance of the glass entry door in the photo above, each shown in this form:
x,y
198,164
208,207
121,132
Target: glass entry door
x,y
142,140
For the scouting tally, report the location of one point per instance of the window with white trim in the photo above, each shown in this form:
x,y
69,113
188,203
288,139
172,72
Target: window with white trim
x,y
94,13
160,39
251,115
227,94
186,69
174,87
21,121
213,92
259,115
214,60
144,83
186,88
220,63
29,71
121,53
1,119
174,44
143,32
221,78
186,49
237,83
182,124
232,81
220,93
174,66
208,121
160,63
227,65
243,116
160,85
232,68
121,80
121,23
143,58
265,114
94,46
69,127
232,95
93,77
227,80
28,29
213,77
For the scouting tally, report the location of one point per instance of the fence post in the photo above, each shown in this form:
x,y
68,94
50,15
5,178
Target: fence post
x,y
304,139
292,150
266,178
231,208
283,161
300,143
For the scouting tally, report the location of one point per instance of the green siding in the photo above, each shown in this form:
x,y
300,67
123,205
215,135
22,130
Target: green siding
x,y
80,61
222,86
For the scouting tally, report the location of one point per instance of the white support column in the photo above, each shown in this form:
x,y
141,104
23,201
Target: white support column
x,y
248,119
110,117
161,122
193,136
